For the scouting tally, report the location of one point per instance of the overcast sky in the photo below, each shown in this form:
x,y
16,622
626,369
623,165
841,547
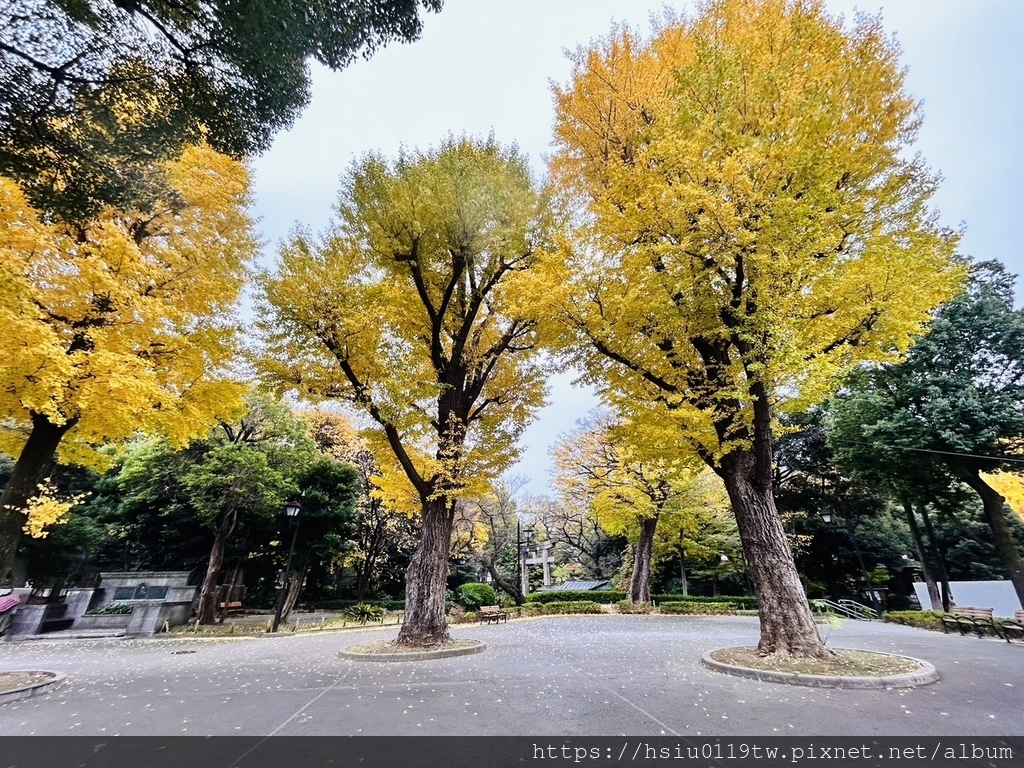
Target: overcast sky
x,y
487,65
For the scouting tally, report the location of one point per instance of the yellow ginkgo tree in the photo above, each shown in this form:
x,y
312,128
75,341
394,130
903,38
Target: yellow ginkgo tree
x,y
744,222
117,325
416,308
603,465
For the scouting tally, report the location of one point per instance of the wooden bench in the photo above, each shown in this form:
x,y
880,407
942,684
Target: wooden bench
x,y
234,608
1014,626
966,620
492,613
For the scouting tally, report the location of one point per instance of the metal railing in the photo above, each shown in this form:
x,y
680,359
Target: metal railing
x,y
849,608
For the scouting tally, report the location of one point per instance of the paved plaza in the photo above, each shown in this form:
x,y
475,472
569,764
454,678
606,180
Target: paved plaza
x,y
572,675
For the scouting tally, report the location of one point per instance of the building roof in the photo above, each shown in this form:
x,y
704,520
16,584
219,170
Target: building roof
x,y
576,586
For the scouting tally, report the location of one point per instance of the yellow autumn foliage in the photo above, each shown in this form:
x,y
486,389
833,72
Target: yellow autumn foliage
x,y
742,217
124,323
47,509
1008,485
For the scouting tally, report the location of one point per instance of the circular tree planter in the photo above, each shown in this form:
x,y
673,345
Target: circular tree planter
x,y
853,669
383,651
21,684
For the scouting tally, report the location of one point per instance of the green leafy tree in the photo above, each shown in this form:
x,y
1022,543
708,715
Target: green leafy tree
x,y
93,94
953,410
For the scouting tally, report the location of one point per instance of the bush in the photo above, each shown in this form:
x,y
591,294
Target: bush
x,y
744,602
564,606
473,595
387,603
364,612
591,596
898,603
919,619
627,607
111,609
693,607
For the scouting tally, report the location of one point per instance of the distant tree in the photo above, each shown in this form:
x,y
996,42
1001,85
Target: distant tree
x,y
95,95
416,309
955,406
118,325
574,528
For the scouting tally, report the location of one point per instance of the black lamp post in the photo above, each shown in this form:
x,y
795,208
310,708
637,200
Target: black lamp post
x,y
292,510
523,548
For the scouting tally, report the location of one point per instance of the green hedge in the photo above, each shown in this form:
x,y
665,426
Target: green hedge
x,y
745,602
565,606
474,594
344,605
919,619
591,596
692,607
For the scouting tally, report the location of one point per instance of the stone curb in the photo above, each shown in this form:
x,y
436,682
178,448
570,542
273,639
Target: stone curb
x,y
35,689
927,674
441,653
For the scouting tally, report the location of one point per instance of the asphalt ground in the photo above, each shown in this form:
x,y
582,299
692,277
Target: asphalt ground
x,y
557,676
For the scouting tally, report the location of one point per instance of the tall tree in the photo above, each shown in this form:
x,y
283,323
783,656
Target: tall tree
x,y
744,223
956,403
414,309
94,94
629,492
120,324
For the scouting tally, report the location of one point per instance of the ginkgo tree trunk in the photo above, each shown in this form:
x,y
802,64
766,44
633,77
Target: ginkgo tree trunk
x,y
743,223
415,308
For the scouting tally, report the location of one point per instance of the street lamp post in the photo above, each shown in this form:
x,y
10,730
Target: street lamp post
x,y
722,560
292,510
523,548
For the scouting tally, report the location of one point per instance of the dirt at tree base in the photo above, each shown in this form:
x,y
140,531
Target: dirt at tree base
x,y
846,663
384,646
12,681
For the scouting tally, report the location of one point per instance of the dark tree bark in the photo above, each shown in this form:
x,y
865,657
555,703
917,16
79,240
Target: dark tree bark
x,y
509,588
295,584
640,583
1009,551
427,577
207,613
940,558
926,572
787,625
34,464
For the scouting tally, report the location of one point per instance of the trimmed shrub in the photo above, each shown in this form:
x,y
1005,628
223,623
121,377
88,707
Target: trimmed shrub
x,y
627,607
695,607
591,596
919,619
386,603
567,606
473,595
111,609
744,602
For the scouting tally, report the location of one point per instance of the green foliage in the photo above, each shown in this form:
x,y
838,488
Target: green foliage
x,y
92,93
561,606
745,602
473,595
920,619
344,605
364,612
595,596
687,607
111,609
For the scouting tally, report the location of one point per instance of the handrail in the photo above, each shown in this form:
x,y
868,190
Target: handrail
x,y
849,608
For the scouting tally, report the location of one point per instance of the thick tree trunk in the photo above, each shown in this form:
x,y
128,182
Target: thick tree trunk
x,y
682,575
32,467
934,597
295,584
427,579
640,583
787,625
208,594
1007,547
